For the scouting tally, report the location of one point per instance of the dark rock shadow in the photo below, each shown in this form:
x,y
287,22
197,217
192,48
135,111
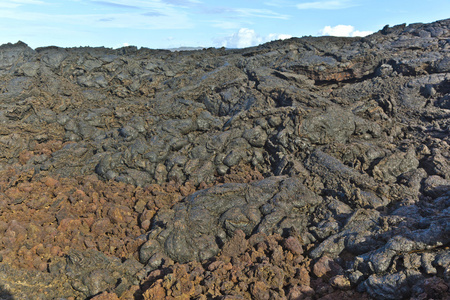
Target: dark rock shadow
x,y
4,294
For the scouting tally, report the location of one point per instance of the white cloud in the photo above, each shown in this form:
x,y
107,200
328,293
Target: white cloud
x,y
261,13
336,4
161,5
121,45
276,36
184,3
243,38
246,37
339,30
17,3
171,20
343,30
27,1
277,3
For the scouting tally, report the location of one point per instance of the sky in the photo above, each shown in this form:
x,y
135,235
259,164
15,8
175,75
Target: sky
x,y
163,24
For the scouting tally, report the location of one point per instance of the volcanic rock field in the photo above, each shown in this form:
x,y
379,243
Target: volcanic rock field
x,y
309,168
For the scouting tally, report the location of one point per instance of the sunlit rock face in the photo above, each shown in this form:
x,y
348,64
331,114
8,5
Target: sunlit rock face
x,y
300,168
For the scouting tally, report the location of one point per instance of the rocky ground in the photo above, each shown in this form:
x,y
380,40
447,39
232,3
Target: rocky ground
x,y
312,168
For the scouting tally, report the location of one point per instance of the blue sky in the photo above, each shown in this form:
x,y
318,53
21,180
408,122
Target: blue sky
x,y
200,23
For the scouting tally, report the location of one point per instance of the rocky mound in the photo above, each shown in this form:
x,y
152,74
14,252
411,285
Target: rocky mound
x,y
312,168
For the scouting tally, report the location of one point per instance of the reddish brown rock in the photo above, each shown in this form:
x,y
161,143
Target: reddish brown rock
x,y
50,182
293,244
96,113
155,292
106,296
236,245
326,267
101,226
260,290
303,276
25,156
116,214
15,195
132,293
300,292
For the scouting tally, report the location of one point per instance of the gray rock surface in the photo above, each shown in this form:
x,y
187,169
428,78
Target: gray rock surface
x,y
196,228
351,136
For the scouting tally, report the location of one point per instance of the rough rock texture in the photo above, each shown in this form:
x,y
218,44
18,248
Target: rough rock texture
x,y
312,168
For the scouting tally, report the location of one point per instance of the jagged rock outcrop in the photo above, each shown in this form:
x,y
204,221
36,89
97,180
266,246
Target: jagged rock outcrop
x,y
148,168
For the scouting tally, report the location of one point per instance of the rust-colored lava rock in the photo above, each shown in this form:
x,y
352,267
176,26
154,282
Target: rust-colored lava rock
x,y
311,168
